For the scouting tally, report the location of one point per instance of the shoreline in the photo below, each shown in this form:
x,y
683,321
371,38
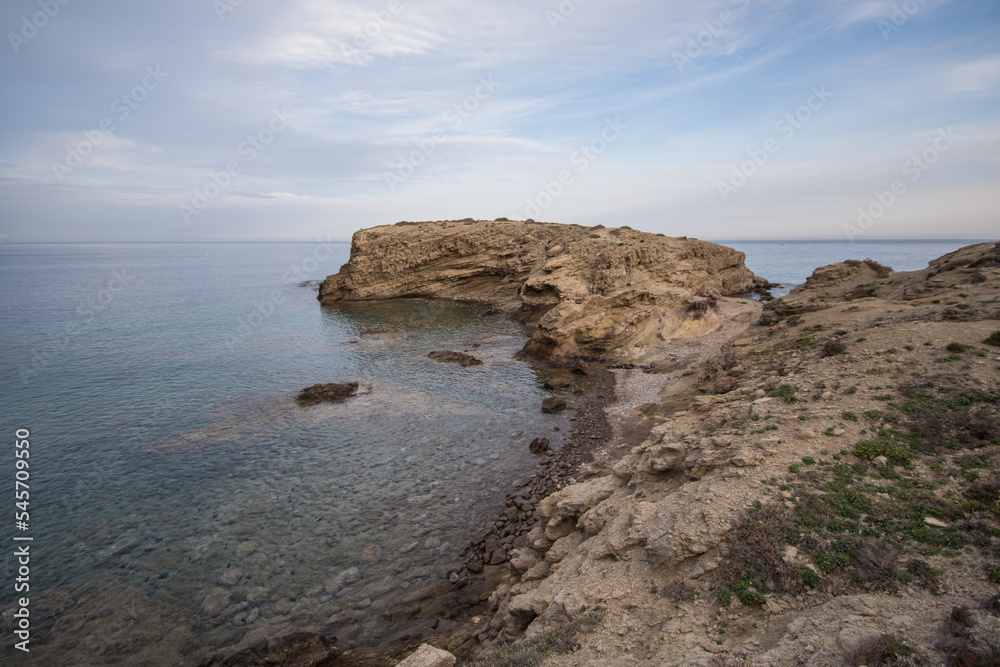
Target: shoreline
x,y
725,537
725,437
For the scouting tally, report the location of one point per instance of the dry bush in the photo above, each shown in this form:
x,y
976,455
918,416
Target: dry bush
x,y
676,590
727,659
877,562
757,546
879,650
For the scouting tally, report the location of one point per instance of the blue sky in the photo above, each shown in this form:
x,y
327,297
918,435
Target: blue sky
x,y
246,120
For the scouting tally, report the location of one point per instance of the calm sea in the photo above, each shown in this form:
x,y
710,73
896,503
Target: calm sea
x,y
168,458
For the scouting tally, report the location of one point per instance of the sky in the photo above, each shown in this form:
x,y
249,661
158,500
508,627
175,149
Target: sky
x,y
247,120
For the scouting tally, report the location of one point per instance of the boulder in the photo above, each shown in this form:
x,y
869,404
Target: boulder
x,y
462,359
328,393
553,405
556,383
575,499
428,656
538,445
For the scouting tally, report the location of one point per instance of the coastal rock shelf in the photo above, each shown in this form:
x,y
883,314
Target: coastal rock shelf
x,y
590,291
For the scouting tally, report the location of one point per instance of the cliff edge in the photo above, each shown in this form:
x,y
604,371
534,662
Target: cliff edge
x,y
590,291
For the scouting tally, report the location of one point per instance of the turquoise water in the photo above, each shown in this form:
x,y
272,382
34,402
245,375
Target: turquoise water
x,y
157,382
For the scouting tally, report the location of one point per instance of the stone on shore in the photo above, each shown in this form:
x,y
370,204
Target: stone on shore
x,y
538,445
428,656
553,405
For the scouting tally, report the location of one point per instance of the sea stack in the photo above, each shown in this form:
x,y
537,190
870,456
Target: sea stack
x,y
591,292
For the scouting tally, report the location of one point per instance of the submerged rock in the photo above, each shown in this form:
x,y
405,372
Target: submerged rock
x,y
462,359
279,645
216,602
553,405
328,393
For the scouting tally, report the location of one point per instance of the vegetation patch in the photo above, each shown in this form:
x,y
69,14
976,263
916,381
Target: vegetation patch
x,y
786,392
755,565
878,651
532,652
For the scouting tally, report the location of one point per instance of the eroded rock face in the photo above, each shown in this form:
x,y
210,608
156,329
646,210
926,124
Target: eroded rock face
x,y
858,280
590,291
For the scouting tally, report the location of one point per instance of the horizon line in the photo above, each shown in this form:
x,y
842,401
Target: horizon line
x,y
347,241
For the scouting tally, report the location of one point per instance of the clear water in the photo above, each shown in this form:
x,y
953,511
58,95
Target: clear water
x,y
164,432
158,381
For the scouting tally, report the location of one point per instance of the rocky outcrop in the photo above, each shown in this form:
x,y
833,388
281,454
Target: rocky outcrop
x,y
759,435
590,291
461,358
866,280
327,393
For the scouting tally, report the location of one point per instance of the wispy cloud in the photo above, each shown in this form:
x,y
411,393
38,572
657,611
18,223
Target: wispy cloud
x,y
370,81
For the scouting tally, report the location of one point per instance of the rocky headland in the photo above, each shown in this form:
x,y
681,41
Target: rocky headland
x,y
814,481
591,292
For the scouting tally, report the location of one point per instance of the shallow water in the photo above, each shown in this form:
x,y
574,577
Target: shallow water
x,y
168,451
158,384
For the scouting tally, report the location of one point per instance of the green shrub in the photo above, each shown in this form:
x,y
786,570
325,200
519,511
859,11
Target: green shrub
x,y
887,447
849,416
993,339
786,392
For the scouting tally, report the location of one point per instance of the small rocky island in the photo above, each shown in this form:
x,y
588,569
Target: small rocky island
x,y
590,291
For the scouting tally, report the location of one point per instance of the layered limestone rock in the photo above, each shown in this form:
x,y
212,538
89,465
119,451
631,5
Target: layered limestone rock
x,y
591,291
867,282
648,535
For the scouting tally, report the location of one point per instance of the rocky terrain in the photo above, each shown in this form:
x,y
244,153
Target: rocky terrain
x,y
593,292
814,481
821,488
